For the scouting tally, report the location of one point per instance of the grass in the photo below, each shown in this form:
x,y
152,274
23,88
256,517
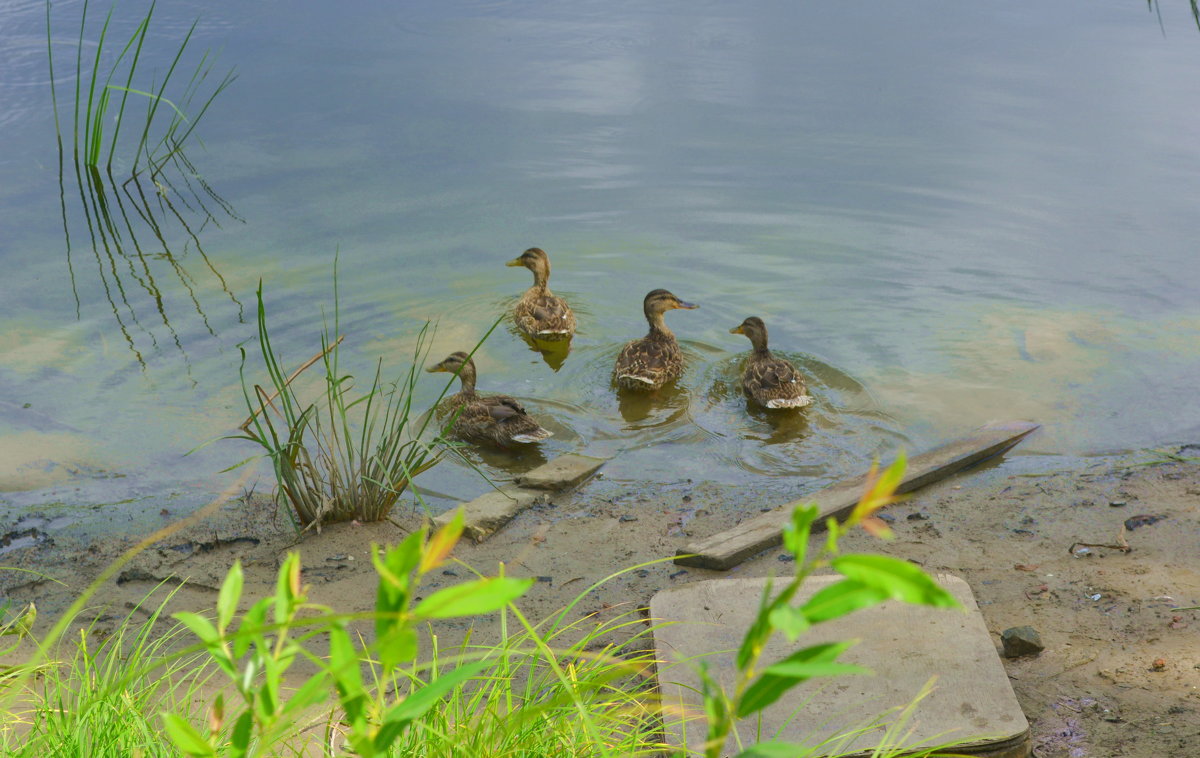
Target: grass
x,y
349,454
99,695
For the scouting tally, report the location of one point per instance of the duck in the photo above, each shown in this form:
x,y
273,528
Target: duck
x,y
496,419
767,379
648,363
541,314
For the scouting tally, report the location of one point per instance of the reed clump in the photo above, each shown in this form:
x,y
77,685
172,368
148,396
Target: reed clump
x,y
349,454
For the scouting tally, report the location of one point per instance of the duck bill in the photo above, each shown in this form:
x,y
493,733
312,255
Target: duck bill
x,y
435,369
686,306
515,262
737,330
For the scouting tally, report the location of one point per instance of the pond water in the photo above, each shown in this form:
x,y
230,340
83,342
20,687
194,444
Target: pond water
x,y
947,214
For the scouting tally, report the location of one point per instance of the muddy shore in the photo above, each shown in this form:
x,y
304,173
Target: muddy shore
x,y
1120,675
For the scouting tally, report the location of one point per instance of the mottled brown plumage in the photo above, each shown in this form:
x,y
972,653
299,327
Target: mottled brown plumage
x,y
541,314
770,381
652,361
495,419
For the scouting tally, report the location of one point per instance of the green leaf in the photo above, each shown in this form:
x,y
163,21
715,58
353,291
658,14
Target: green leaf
x,y
839,599
472,598
250,629
416,704
776,750
231,592
900,580
186,738
796,532
239,738
789,620
808,669
394,568
199,626
756,636
397,646
343,667
771,686
287,588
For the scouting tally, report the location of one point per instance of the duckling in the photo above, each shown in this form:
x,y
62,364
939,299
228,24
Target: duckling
x,y
770,381
652,361
541,314
496,419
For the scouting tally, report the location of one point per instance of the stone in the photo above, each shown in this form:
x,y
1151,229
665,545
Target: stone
x,y
562,473
486,514
1021,640
904,645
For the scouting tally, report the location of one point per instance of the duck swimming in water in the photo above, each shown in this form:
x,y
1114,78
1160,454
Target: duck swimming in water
x,y
652,361
541,314
770,381
495,419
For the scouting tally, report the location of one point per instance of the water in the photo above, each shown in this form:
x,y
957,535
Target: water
x,y
946,213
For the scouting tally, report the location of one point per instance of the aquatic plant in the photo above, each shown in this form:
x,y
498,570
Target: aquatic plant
x,y
345,455
164,130
134,224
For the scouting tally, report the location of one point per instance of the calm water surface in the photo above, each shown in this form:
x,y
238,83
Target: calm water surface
x,y
946,213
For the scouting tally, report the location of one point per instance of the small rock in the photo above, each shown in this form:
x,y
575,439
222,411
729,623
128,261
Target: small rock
x,y
889,518
1159,664
1021,640
448,572
1116,503
546,579
918,516
1142,519
786,558
626,519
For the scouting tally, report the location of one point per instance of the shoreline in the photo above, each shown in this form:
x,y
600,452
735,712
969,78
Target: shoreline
x,y
1104,615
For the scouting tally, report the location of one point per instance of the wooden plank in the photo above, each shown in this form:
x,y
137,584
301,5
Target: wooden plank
x,y
725,550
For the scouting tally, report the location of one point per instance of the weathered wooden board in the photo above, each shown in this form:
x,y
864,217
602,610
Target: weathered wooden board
x,y
725,550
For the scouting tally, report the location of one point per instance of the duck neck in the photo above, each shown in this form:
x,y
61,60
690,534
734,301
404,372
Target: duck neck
x,y
541,277
658,325
467,376
759,343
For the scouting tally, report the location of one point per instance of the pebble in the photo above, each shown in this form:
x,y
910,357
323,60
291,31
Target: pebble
x,y
1021,640
1116,503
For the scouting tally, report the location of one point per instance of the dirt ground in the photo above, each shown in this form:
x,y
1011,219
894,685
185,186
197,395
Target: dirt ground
x,y
1119,675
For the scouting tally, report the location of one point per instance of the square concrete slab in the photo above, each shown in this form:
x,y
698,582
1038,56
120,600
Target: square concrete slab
x,y
903,644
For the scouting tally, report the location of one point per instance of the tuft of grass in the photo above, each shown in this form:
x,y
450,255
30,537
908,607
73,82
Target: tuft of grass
x,y
101,695
349,454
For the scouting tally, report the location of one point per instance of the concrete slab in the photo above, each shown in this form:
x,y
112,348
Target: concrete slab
x,y
562,473
484,515
904,645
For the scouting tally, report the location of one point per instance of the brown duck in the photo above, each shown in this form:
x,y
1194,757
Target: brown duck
x,y
770,381
495,419
652,361
541,314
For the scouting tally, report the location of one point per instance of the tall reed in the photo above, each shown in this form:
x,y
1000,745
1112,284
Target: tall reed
x,y
161,136
348,454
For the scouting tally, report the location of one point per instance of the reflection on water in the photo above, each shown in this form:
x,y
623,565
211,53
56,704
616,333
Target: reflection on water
x,y
131,231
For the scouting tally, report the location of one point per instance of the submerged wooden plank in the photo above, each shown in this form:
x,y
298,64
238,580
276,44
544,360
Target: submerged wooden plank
x,y
725,550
